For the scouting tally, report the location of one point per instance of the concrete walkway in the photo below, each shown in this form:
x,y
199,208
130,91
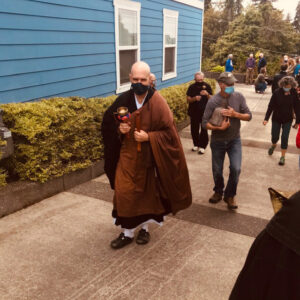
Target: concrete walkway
x,y
59,248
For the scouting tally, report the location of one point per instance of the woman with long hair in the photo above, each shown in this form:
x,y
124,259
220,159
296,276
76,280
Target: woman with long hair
x,y
291,67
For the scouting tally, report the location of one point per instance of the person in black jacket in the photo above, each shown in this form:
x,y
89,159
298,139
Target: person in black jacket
x,y
282,103
277,77
262,63
198,94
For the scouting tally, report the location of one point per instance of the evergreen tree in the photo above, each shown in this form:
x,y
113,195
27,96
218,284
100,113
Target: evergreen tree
x,y
296,22
261,28
232,9
207,4
257,2
214,26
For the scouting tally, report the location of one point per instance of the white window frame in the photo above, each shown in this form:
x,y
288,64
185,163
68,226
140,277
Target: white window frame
x,y
133,6
171,14
194,3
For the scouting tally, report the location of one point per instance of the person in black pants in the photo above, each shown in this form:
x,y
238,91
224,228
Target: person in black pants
x,y
198,94
282,103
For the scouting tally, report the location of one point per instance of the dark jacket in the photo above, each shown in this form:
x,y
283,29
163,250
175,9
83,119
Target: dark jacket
x,y
282,107
250,63
276,79
196,109
261,63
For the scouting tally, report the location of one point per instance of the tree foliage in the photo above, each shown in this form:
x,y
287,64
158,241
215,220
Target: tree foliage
x,y
296,22
207,4
259,28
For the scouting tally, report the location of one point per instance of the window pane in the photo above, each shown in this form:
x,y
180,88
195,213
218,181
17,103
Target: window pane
x,y
127,27
127,59
169,60
170,31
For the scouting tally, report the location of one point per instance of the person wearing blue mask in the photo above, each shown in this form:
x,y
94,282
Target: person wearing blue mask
x,y
282,104
226,137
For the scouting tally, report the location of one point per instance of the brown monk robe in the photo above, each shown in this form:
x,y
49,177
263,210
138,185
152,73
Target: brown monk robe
x,y
151,183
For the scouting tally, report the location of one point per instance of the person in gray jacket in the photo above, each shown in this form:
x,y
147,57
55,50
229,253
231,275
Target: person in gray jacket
x,y
226,138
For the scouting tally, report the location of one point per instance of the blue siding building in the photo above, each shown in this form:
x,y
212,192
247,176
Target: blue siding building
x,y
85,47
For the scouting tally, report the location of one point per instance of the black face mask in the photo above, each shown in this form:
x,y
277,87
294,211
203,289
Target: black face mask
x,y
139,88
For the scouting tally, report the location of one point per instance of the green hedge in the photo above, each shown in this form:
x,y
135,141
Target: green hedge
x,y
55,136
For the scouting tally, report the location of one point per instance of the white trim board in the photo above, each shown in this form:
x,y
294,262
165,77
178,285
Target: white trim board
x,y
201,41
194,3
173,14
127,4
133,6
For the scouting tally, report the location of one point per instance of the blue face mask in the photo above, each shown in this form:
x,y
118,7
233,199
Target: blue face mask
x,y
286,89
229,90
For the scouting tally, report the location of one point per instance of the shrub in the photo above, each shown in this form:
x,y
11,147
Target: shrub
x,y
218,69
2,171
55,136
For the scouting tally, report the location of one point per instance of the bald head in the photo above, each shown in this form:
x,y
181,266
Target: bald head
x,y
140,72
140,66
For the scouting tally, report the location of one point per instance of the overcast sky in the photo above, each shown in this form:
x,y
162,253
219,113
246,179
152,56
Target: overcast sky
x,y
288,6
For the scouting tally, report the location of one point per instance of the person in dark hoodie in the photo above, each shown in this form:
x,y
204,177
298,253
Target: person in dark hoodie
x,y
272,268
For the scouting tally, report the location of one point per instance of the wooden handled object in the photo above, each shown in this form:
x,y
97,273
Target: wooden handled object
x,y
138,127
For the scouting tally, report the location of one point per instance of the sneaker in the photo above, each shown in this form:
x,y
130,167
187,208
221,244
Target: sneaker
x,y
195,148
215,198
121,241
143,237
201,151
282,161
271,150
231,204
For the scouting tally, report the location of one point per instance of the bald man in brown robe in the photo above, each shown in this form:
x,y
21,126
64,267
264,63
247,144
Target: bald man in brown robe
x,y
154,181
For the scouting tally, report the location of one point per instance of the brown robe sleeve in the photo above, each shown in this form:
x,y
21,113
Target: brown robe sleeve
x,y
169,156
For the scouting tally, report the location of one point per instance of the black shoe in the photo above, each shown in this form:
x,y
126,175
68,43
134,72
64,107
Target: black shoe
x,y
215,198
121,241
143,237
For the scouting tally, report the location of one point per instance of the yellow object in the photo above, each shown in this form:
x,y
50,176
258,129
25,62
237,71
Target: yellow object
x,y
277,198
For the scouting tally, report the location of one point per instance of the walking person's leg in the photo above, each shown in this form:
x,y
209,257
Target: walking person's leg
x,y
247,76
275,131
203,140
234,151
218,156
251,76
286,128
195,126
